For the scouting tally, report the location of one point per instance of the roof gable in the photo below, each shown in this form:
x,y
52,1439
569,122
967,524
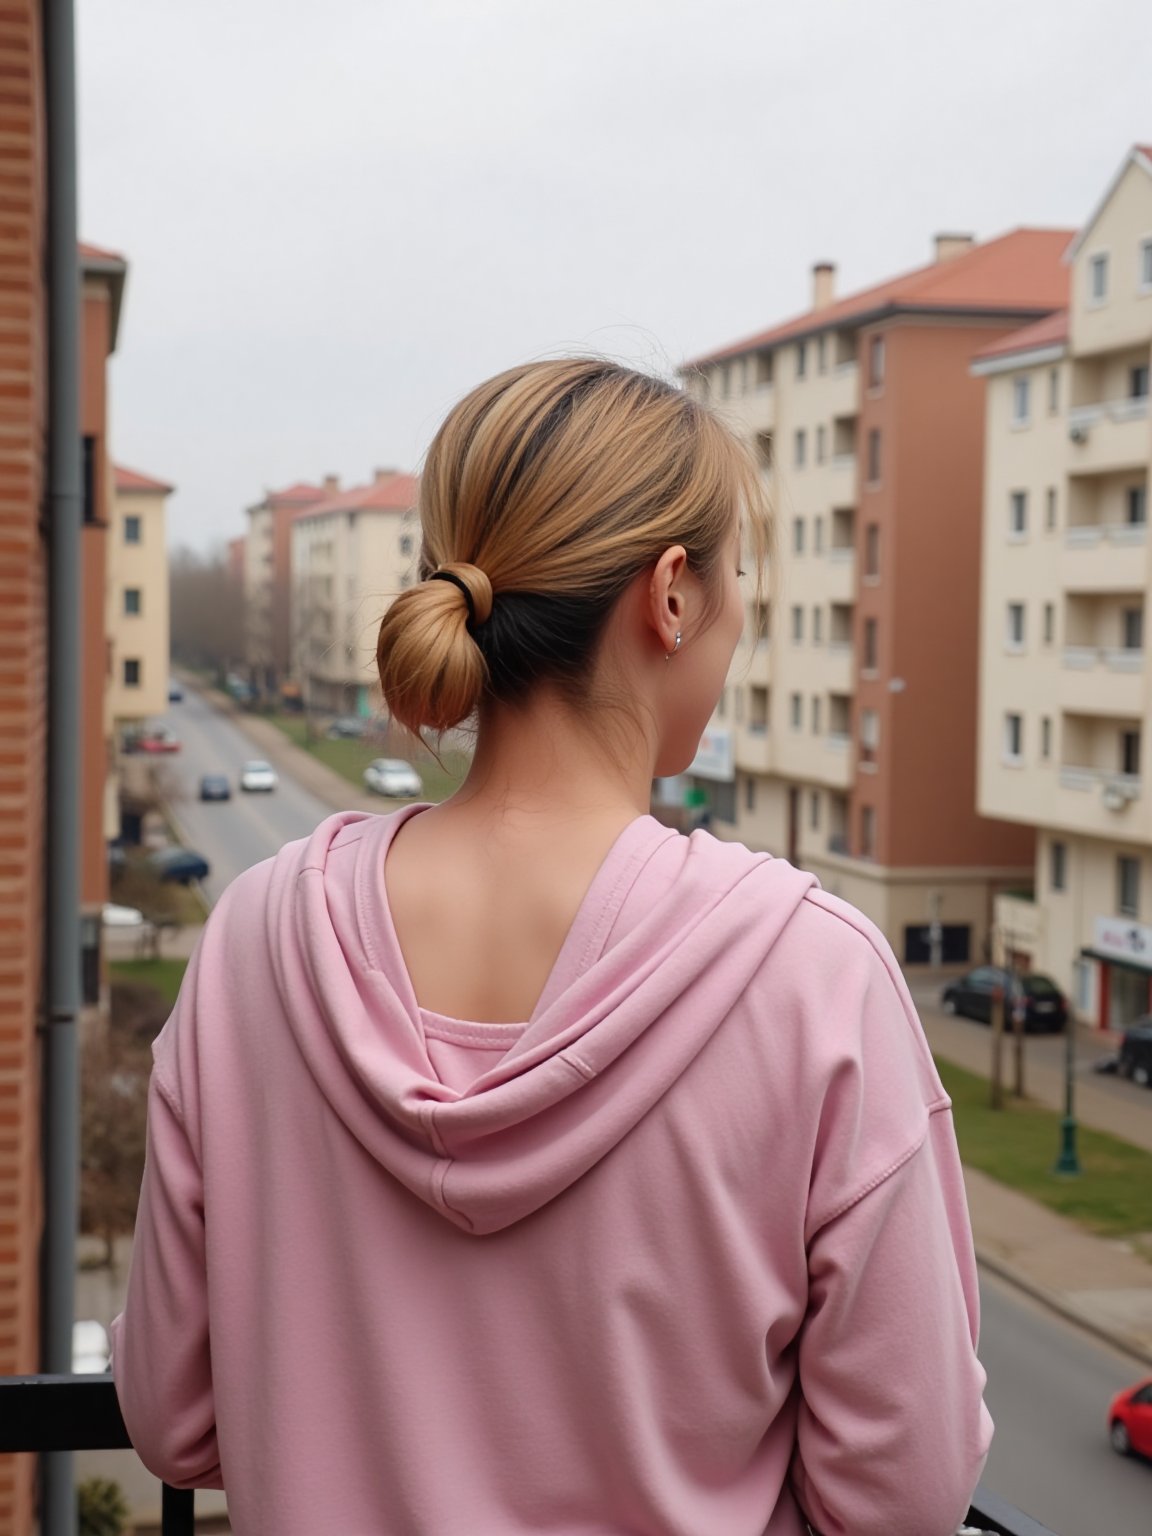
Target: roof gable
x,y
1140,155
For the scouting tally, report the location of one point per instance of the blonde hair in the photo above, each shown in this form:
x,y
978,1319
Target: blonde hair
x,y
546,491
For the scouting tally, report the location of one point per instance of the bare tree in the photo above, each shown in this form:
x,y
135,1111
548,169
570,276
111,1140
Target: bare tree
x,y
207,611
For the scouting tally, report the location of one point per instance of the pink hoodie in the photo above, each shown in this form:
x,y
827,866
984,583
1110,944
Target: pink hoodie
x,y
685,1255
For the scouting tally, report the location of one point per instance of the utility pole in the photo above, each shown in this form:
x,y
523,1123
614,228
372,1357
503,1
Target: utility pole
x,y
1068,1162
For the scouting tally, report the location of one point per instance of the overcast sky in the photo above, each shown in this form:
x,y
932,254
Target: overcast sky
x,y
341,215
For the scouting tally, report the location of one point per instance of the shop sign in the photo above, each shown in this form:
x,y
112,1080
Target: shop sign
x,y
1119,938
715,756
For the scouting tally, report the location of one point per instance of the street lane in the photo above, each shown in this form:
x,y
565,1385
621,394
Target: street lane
x,y
232,834
1049,1386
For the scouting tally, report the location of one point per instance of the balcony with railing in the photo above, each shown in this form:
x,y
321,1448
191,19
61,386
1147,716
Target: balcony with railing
x,y
1100,781
42,1414
1106,531
1103,657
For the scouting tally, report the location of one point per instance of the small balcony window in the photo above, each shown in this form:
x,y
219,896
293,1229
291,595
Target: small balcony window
x,y
872,550
1128,886
802,360
133,601
874,456
1144,266
1050,507
797,623
800,448
1053,391
1018,514
131,672
1014,739
1015,636
822,354
817,626
1098,279
817,717
1058,866
1132,629
869,735
1046,738
870,659
1130,753
796,711
1021,402
1049,623
821,444
798,536
133,531
818,532
1138,382
1136,505
876,363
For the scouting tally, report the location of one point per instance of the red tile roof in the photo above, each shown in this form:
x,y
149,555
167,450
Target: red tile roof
x,y
295,495
1021,271
96,253
387,493
1052,331
132,480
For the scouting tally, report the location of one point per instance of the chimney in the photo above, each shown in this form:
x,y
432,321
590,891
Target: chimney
x,y
823,284
380,475
948,246
331,484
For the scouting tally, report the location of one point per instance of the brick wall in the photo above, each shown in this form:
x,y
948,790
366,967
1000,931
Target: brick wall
x,y
22,705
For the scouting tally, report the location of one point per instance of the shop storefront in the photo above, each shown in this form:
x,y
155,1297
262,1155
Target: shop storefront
x,y
1121,951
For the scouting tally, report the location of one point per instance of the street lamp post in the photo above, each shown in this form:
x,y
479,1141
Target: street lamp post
x,y
1068,1163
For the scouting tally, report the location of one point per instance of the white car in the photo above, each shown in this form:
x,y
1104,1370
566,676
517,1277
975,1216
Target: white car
x,y
90,1352
392,776
256,776
122,917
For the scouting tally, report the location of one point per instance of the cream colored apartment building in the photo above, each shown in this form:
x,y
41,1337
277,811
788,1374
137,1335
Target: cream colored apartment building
x,y
267,574
844,739
1066,688
136,611
351,555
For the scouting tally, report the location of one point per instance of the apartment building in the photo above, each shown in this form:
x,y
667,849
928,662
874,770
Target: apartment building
x,y
268,580
234,559
1065,686
845,738
136,621
351,555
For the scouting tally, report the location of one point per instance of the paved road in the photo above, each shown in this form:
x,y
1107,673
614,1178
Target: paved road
x,y
1048,1390
232,834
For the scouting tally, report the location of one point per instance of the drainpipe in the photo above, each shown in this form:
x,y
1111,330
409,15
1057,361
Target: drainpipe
x,y
64,504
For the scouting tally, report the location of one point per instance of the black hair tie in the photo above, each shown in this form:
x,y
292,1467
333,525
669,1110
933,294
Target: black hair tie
x,y
458,581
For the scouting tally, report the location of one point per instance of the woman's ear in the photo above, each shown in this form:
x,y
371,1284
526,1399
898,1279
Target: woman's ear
x,y
667,602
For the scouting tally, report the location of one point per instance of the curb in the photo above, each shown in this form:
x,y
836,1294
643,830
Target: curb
x,y
1054,1302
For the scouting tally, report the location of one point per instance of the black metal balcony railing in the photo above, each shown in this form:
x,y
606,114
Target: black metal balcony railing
x,y
80,1413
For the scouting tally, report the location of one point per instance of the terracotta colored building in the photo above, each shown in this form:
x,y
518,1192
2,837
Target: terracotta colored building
x,y
846,739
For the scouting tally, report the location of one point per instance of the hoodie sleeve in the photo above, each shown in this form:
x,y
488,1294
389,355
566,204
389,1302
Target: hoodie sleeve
x,y
892,1431
160,1348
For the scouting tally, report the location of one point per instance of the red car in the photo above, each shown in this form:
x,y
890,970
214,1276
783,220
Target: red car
x,y
1130,1420
161,740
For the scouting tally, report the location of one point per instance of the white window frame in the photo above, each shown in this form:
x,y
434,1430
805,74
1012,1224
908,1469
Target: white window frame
x,y
1015,623
1022,401
1013,757
1018,498
1097,262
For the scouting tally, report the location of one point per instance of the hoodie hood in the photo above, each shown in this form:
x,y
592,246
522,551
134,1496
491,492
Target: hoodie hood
x,y
669,934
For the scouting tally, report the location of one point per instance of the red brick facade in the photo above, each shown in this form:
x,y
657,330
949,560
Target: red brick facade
x,y
22,704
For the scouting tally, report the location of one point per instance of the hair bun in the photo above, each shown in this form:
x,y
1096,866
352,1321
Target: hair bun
x,y
432,671
473,586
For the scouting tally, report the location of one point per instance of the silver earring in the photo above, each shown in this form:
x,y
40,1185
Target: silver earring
x,y
668,655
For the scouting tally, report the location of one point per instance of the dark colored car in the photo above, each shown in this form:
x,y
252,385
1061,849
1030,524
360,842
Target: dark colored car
x,y
179,864
215,786
1045,1006
1130,1420
175,692
1136,1052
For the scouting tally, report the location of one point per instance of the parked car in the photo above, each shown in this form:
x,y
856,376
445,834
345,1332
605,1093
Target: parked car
x,y
179,864
392,776
1130,1420
1135,1059
215,786
90,1352
347,728
114,916
158,738
1045,1006
258,777
175,691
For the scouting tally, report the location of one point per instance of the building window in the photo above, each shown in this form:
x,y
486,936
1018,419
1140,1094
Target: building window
x,y
1098,279
1050,507
1021,402
1136,504
1058,866
725,382
798,536
131,672
874,456
405,543
749,793
871,648
876,363
1144,265
89,472
817,626
1138,382
1018,513
800,449
132,600
818,534
132,529
801,359
867,832
1128,886
1013,738
822,354
817,723
822,444
796,711
1015,626
1132,629
797,623
1049,623
762,366
814,810
869,735
1053,391
1046,738
1130,753
872,550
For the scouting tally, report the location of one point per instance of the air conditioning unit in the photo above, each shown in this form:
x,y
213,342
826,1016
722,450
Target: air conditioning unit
x,y
1078,433
1116,795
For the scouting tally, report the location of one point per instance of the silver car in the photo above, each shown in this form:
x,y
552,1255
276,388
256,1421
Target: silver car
x,y
393,777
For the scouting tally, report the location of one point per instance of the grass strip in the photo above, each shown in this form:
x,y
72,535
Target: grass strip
x,y
349,758
164,975
1019,1144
